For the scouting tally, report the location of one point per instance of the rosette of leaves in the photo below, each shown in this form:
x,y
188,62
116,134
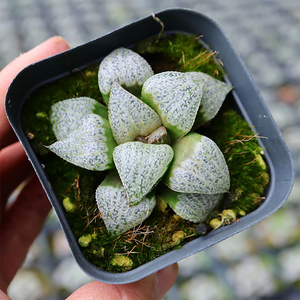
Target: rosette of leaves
x,y
144,137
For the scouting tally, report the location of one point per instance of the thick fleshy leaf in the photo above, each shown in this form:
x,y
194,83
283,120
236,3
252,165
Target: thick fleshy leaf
x,y
65,114
127,68
199,166
90,145
129,116
114,206
192,207
140,167
176,97
214,94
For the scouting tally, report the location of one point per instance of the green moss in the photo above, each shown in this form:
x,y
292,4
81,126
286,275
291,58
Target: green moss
x,y
155,236
248,170
69,205
85,240
122,261
180,53
161,204
37,110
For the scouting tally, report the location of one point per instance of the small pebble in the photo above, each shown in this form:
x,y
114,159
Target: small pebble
x,y
201,229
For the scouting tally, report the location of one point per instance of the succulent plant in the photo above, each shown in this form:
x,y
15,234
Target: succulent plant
x,y
145,137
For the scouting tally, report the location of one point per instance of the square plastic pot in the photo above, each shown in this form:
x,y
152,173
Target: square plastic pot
x,y
246,98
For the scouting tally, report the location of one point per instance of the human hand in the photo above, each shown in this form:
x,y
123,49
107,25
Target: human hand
x,y
21,221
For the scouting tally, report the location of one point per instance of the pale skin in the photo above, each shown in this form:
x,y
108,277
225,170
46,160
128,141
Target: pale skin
x,y
22,221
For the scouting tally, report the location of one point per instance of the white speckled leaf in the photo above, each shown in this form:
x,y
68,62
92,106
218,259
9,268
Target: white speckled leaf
x,y
89,145
176,97
124,66
140,167
214,94
114,206
192,207
65,114
199,166
129,116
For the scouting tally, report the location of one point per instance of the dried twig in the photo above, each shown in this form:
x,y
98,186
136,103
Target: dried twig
x,y
158,20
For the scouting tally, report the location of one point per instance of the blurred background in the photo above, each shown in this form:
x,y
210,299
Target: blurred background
x,y
262,262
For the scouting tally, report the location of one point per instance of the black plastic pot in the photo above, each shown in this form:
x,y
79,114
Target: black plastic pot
x,y
246,97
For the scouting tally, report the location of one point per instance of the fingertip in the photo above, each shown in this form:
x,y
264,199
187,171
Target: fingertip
x,y
58,43
153,287
50,47
53,45
166,279
3,296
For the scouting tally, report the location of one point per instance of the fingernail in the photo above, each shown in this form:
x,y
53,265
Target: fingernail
x,y
62,39
165,280
59,42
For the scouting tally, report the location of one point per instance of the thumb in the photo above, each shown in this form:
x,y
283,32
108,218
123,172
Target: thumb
x,y
153,287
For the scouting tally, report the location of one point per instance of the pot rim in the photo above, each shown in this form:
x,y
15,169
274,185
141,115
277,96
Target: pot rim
x,y
247,98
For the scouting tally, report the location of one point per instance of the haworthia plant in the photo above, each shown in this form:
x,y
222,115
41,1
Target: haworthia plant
x,y
129,116
114,207
129,136
192,207
124,66
89,145
141,166
176,97
214,94
199,166
64,115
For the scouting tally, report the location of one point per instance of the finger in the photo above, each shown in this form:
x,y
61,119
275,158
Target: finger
x,y
50,47
3,296
21,224
15,168
166,279
153,287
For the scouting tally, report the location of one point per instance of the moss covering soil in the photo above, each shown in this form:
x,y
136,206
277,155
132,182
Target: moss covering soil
x,y
163,230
